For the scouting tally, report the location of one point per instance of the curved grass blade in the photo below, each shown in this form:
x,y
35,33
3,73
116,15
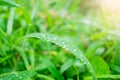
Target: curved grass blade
x,y
64,44
24,75
8,3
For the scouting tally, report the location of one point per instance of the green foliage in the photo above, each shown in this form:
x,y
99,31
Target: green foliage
x,y
100,66
9,3
87,49
66,65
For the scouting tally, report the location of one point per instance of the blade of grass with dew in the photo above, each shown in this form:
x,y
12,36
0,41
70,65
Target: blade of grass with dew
x,y
23,75
68,46
9,3
51,67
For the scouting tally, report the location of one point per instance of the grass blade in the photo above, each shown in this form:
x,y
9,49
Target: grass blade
x,y
113,77
64,44
53,69
8,3
22,53
10,21
66,65
24,75
45,77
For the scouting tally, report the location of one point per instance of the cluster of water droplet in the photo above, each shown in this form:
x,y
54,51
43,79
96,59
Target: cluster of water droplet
x,y
62,43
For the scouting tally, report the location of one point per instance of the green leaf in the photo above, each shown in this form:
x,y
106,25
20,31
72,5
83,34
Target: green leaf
x,y
99,35
100,66
64,44
51,67
45,77
66,65
24,75
22,53
114,67
104,77
116,56
9,3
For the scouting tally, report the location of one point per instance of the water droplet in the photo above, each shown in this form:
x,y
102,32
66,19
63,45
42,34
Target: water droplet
x,y
67,48
63,43
55,39
16,74
91,71
64,46
74,50
20,77
85,63
42,35
80,55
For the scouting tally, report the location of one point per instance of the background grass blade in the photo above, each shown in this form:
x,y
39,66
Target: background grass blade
x,y
23,75
53,69
10,21
9,3
22,53
62,43
113,77
66,65
45,77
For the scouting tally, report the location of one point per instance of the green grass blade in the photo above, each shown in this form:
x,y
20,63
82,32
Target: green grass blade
x,y
66,65
113,77
34,10
22,53
8,3
24,75
10,21
51,67
45,77
64,44
114,67
100,66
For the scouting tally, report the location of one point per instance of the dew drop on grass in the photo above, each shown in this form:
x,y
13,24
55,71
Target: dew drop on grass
x,y
16,74
20,77
54,39
64,46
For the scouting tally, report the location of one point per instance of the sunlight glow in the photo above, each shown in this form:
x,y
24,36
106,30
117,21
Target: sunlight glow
x,y
112,6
